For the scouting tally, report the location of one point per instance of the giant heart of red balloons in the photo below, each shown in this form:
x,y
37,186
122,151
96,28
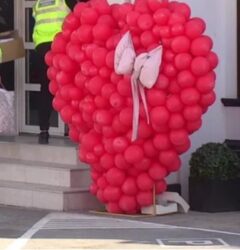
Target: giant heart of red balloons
x,y
97,105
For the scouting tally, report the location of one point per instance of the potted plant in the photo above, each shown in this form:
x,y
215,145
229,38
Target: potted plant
x,y
214,181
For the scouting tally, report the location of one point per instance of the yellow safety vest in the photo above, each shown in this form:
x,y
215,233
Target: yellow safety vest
x,y
1,55
49,16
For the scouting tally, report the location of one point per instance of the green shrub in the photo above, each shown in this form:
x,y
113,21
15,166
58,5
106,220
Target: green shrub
x,y
214,161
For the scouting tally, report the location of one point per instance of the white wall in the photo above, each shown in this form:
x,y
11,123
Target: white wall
x,y
220,17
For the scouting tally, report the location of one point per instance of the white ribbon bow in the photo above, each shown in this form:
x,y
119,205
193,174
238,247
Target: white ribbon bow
x,y
144,69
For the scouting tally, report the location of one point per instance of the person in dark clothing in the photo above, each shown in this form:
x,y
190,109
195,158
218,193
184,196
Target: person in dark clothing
x,y
49,16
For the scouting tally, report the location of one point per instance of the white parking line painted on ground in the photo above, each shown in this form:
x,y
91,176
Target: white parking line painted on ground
x,y
58,221
190,242
19,243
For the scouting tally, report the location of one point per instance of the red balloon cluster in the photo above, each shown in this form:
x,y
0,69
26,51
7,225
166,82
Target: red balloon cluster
x,y
96,103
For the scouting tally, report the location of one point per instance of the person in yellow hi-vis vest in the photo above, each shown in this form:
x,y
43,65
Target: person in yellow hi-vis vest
x,y
49,16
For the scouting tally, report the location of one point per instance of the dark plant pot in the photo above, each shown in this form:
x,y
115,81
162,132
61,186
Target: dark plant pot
x,y
214,195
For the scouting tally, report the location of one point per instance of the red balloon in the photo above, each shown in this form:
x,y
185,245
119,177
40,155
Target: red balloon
x,y
170,160
132,18
107,90
103,117
162,82
176,121
125,116
192,126
93,189
107,161
133,154
120,144
147,38
112,194
195,27
192,113
144,182
145,198
117,101
124,87
101,102
99,56
104,72
161,16
58,103
71,22
101,32
161,142
186,79
145,21
118,126
89,140
52,73
177,29
190,96
200,66
169,70
128,204
120,162
77,119
179,137
213,59
176,18
206,83
59,44
208,99
157,172
66,113
95,85
201,46
129,186
110,59
156,97
53,87
181,8
49,58
115,176
161,186
79,8
73,134
144,130
112,207
89,16
75,93
143,165
182,61
174,103
180,44
159,115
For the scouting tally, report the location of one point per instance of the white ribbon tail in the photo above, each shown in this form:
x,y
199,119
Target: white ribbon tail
x,y
143,97
135,96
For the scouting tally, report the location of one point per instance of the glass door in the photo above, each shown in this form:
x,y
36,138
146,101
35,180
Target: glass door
x,y
27,70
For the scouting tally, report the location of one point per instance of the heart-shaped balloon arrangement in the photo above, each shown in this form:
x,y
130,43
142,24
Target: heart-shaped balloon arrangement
x,y
97,103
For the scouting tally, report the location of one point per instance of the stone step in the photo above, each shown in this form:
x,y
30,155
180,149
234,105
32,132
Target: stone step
x,y
52,174
46,197
40,153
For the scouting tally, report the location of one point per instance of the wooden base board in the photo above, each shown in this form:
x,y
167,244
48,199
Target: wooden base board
x,y
121,215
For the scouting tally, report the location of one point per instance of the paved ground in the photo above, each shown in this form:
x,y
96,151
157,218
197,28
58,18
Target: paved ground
x,y
22,229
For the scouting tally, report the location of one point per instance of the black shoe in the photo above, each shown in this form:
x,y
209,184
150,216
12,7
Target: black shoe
x,y
43,137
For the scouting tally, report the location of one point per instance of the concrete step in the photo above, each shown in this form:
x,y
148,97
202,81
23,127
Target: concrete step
x,y
40,153
46,197
52,174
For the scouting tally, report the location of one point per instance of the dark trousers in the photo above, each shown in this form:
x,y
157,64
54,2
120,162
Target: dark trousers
x,y
45,100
